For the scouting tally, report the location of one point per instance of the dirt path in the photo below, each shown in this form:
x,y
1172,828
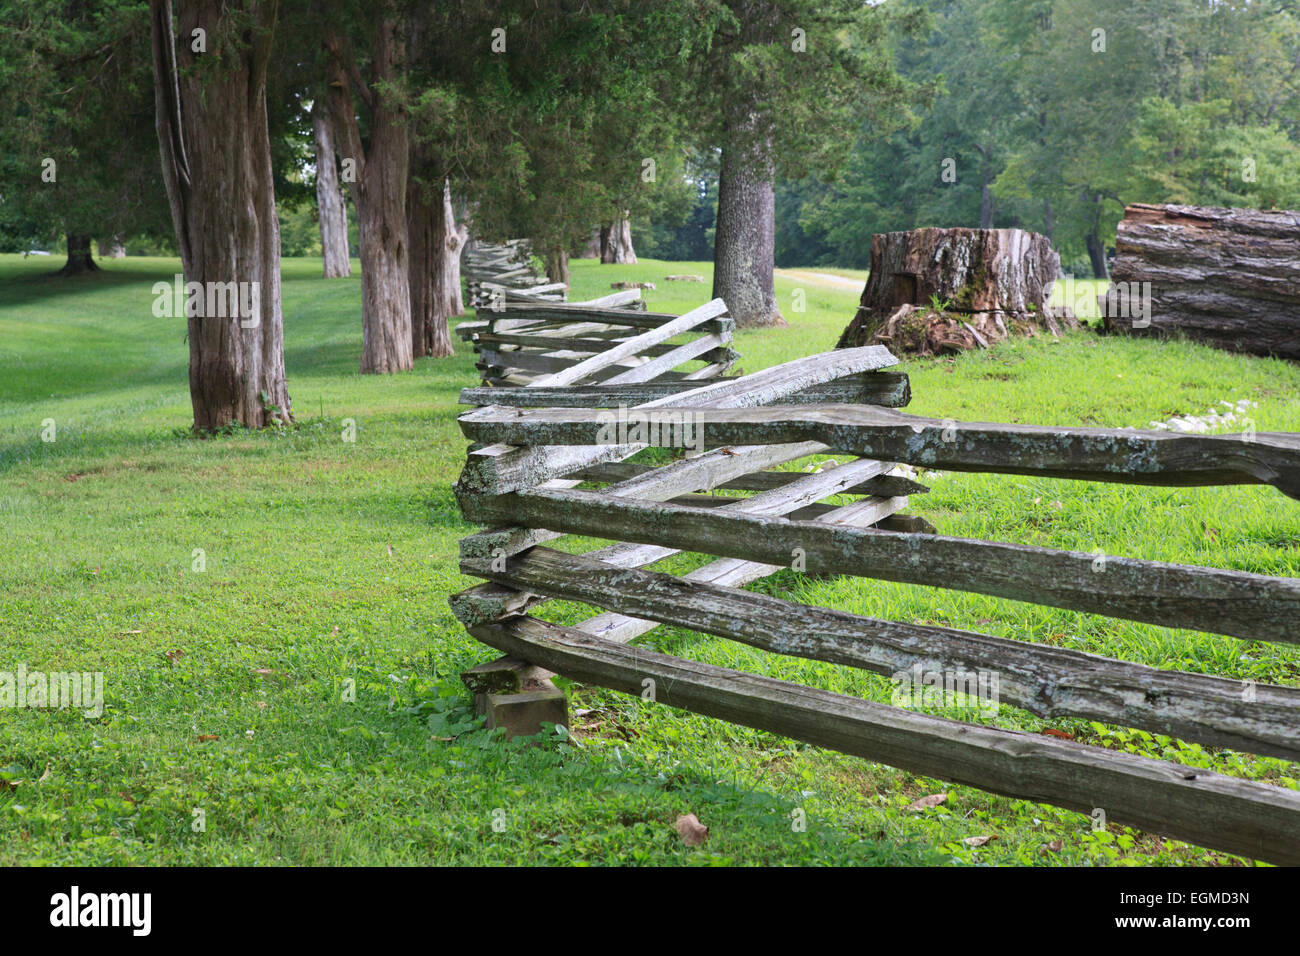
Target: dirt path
x,y
821,278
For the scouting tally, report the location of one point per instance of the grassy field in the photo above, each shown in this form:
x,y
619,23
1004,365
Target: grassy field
x,y
234,590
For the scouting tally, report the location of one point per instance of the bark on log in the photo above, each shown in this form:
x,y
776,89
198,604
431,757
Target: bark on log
x,y
1228,277
332,211
986,284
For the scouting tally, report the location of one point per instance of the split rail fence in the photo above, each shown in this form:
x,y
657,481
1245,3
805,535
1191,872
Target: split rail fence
x,y
503,273
610,340
536,444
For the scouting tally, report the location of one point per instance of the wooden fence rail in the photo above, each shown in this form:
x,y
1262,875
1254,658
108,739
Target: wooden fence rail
x,y
606,341
539,443
503,273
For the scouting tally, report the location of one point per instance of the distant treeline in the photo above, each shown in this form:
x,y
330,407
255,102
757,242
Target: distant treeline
x,y
1051,116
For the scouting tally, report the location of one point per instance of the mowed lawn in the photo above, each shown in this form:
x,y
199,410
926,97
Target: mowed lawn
x,y
270,610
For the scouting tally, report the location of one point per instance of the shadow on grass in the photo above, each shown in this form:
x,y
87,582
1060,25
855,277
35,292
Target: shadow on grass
x,y
27,288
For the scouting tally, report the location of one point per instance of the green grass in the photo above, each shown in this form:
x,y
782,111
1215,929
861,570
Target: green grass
x,y
329,562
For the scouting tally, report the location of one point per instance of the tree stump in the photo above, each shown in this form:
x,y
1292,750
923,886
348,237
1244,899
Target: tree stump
x,y
1228,277
940,291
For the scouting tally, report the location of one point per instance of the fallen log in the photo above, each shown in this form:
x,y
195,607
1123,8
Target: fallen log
x,y
1227,277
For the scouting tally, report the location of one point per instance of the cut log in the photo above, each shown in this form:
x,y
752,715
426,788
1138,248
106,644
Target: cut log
x,y
940,291
1228,277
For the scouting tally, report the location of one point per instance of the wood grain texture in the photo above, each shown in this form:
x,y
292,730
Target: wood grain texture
x,y
887,389
1092,454
499,468
1049,682
1236,603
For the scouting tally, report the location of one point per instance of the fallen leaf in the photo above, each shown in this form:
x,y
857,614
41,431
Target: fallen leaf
x,y
691,830
8,786
174,656
204,738
979,840
1053,732
260,705
1054,847
263,671
926,803
45,776
390,550
124,633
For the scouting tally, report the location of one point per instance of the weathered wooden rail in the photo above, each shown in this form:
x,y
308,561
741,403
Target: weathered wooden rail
x,y
606,341
536,445
503,273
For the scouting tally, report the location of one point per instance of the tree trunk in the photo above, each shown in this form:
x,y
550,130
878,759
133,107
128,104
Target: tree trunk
x,y
744,245
616,243
331,208
1229,277
557,265
937,291
986,203
216,159
379,195
436,242
112,248
80,260
1097,253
